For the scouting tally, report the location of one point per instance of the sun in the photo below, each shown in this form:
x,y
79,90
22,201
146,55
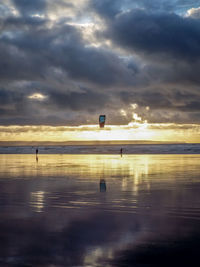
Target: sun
x,y
133,131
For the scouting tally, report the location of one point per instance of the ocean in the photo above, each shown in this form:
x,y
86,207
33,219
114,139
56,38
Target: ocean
x,y
105,149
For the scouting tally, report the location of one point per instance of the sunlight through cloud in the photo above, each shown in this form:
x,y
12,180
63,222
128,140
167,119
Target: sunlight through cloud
x,y
37,96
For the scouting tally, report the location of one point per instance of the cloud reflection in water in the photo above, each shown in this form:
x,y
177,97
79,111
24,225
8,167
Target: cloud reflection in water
x,y
54,213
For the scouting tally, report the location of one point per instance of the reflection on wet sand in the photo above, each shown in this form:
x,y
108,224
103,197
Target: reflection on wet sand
x,y
102,185
37,200
103,210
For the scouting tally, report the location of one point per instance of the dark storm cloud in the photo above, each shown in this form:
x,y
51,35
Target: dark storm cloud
x,y
153,99
168,43
85,100
109,8
165,105
7,98
18,108
154,33
149,49
11,103
61,47
191,106
31,51
20,23
27,7
15,65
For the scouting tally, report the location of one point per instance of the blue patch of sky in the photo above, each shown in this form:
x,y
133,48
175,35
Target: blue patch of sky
x,y
179,7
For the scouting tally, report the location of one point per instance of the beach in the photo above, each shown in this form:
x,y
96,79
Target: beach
x,y
99,210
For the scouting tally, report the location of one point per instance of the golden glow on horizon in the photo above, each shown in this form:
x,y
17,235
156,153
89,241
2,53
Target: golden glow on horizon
x,y
133,131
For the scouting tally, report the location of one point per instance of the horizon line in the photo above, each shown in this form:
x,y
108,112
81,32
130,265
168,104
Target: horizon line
x,y
88,142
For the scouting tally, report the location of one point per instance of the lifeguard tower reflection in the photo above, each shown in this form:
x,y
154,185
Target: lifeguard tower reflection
x,y
102,185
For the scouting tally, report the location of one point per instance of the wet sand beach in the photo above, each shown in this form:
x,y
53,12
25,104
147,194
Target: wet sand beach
x,y
99,210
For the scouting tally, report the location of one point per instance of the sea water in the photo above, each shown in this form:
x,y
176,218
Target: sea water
x,y
105,149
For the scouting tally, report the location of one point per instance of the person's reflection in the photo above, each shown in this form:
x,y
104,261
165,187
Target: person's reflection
x,y
36,154
121,152
102,185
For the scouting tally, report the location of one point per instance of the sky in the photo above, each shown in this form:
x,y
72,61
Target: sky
x,y
63,63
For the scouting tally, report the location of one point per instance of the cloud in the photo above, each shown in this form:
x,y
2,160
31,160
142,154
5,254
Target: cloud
x,y
85,100
194,13
110,8
30,7
62,47
156,33
136,54
10,103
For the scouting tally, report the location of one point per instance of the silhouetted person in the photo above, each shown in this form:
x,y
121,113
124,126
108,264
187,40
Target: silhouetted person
x,y
121,151
102,185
